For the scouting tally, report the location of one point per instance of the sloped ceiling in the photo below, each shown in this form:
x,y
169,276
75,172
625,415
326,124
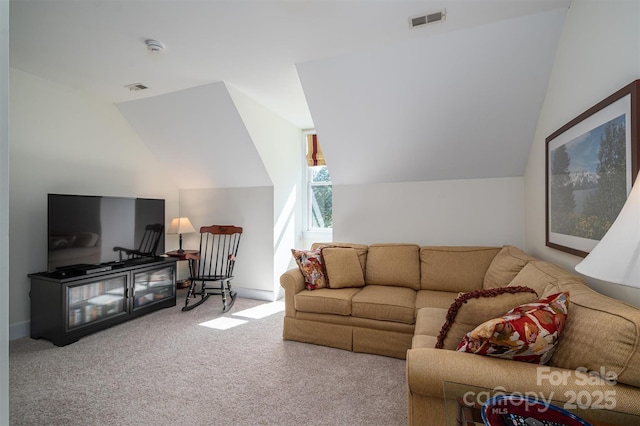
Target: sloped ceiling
x,y
452,106
200,132
457,99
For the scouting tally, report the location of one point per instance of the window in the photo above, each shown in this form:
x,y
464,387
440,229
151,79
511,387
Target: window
x,y
320,198
319,190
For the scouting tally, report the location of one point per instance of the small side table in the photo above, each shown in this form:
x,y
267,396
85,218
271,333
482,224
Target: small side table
x,y
181,256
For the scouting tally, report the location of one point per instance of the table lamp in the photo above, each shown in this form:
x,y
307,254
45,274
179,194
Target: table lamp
x,y
616,258
180,225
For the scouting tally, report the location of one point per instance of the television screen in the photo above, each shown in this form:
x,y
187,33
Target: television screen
x,y
89,230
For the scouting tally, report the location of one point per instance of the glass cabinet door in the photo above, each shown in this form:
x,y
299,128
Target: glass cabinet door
x,y
95,301
153,285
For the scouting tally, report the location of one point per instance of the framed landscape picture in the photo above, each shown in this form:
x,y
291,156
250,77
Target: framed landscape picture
x,y
591,163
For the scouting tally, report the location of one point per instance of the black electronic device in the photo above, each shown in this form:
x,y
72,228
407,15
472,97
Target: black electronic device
x,y
83,230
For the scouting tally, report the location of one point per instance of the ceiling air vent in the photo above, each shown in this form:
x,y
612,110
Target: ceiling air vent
x,y
136,86
418,21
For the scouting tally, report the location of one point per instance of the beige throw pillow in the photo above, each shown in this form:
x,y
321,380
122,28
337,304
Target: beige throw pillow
x,y
342,267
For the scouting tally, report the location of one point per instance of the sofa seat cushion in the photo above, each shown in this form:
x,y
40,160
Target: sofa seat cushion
x,y
423,341
505,266
395,265
429,321
435,299
454,268
326,300
385,303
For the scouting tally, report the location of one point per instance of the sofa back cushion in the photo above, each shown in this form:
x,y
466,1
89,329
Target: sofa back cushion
x,y
454,269
393,265
505,266
601,334
544,277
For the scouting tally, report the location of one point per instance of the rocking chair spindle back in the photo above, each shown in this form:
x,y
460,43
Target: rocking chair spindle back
x,y
212,268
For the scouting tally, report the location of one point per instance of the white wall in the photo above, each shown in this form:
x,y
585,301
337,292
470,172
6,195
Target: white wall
x,y
250,208
280,146
454,212
63,141
598,53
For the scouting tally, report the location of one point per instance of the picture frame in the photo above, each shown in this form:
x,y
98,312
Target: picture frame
x,y
591,164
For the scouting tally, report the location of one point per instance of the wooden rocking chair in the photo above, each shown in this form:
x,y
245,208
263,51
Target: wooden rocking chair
x,y
212,268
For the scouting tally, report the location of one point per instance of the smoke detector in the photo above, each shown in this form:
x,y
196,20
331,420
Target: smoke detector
x,y
155,46
431,18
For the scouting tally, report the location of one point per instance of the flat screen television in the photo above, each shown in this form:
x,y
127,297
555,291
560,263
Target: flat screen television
x,y
85,229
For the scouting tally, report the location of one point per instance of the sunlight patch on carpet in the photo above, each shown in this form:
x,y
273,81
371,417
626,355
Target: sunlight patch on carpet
x,y
261,311
222,323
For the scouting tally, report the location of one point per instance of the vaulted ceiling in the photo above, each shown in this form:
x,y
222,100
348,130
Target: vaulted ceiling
x,y
450,100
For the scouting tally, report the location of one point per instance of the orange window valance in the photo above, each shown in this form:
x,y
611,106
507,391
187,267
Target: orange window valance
x,y
315,157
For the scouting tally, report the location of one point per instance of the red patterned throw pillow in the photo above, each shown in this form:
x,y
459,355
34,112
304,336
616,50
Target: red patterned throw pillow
x,y
475,307
310,264
528,333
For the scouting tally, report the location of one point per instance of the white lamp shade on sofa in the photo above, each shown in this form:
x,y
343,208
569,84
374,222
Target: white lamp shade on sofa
x,y
616,258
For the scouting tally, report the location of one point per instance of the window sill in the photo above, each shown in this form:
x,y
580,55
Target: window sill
x,y
318,235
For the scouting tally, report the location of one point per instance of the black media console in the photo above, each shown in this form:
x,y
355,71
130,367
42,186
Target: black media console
x,y
70,303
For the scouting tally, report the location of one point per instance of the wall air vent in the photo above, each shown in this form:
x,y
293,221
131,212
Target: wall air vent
x,y
136,86
431,18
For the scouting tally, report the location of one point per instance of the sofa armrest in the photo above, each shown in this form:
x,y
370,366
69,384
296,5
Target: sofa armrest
x,y
293,283
428,368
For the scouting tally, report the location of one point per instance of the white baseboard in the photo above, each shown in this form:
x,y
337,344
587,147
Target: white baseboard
x,y
280,293
249,293
19,330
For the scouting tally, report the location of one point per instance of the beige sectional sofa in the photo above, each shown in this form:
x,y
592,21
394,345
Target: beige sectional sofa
x,y
405,294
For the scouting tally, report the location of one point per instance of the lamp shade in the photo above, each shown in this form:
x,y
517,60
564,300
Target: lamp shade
x,y
180,225
616,258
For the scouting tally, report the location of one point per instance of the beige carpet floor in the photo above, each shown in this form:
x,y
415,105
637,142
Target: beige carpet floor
x,y
167,369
